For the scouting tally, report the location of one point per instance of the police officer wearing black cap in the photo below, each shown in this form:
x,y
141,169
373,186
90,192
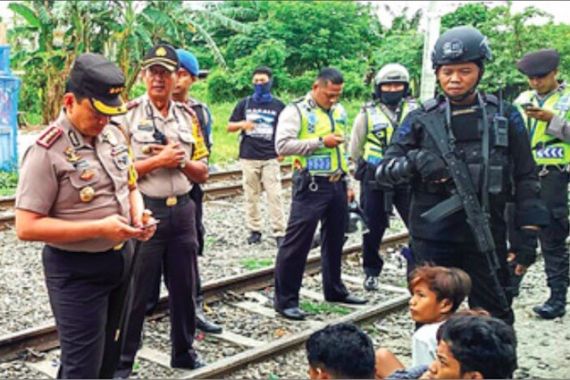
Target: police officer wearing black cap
x,y
77,193
545,110
163,145
459,151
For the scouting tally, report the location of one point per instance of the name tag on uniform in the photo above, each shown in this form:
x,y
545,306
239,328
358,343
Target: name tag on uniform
x,y
145,127
320,163
554,152
122,148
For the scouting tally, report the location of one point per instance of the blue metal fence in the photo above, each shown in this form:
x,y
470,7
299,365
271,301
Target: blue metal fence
x,y
9,91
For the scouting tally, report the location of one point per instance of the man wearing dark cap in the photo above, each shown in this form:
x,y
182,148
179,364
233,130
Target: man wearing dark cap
x,y
545,112
187,76
165,160
77,193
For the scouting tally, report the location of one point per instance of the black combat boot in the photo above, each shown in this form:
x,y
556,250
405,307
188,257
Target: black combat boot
x,y
555,306
203,323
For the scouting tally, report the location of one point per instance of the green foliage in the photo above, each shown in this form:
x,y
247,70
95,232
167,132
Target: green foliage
x,y
323,308
8,183
254,264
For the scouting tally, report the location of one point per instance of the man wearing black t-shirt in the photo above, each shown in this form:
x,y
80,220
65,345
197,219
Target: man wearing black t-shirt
x,y
255,117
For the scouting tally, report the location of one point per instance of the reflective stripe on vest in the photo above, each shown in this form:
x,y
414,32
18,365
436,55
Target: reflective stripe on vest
x,y
315,123
547,149
379,132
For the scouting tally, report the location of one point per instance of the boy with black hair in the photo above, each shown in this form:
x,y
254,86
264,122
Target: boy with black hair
x,y
470,347
255,117
341,351
436,293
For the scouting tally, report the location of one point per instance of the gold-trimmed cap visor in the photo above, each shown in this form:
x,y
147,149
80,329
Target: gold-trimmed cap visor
x,y
164,62
109,107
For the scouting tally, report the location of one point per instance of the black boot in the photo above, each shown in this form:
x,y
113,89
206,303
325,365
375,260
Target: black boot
x,y
202,322
555,306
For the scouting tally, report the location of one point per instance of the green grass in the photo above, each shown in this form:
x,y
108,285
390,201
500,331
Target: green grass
x,y
254,264
226,144
8,183
323,308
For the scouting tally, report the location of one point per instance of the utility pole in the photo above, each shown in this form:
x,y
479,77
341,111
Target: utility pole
x,y
427,88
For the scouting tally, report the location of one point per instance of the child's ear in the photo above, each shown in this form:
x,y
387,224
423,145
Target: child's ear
x,y
473,375
445,306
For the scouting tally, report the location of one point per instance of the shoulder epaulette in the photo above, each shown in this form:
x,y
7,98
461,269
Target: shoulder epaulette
x,y
133,104
430,104
49,136
492,99
186,108
122,128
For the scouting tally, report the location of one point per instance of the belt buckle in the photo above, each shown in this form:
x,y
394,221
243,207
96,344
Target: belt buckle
x,y
543,172
171,201
119,246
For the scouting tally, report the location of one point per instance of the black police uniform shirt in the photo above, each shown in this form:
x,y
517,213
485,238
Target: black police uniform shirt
x,y
465,127
258,144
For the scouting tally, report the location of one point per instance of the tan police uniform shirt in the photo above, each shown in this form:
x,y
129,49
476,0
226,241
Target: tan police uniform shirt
x,y
63,176
141,120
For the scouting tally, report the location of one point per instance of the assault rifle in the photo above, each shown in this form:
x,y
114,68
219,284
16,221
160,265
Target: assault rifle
x,y
464,195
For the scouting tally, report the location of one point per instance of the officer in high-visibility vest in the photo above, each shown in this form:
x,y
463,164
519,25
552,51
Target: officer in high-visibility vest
x,y
312,130
545,112
371,133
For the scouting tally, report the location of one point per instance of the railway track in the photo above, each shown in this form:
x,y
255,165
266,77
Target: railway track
x,y
44,338
211,190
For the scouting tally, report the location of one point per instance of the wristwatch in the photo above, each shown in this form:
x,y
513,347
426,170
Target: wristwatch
x,y
321,142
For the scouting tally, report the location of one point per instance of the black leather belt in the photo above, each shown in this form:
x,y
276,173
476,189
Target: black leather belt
x,y
168,201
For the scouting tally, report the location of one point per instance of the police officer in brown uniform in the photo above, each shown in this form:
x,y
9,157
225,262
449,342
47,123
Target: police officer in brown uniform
x,y
77,193
163,145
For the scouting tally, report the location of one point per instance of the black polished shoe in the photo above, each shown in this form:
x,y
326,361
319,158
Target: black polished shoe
x,y
550,310
206,326
254,238
351,300
293,313
187,363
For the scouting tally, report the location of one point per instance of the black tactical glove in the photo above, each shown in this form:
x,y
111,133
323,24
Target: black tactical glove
x,y
429,165
394,171
526,253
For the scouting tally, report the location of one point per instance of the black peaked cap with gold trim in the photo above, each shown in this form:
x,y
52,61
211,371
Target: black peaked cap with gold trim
x,y
163,55
100,80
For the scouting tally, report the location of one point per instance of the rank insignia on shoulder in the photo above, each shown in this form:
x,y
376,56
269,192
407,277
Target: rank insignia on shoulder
x,y
49,136
186,108
133,104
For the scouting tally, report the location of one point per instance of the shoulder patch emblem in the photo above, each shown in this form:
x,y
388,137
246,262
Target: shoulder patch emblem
x,y
50,136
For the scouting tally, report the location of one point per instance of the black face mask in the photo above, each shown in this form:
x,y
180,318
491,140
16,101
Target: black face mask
x,y
391,98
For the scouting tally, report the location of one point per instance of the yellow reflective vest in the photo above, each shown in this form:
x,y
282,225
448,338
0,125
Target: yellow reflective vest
x,y
379,130
317,122
547,149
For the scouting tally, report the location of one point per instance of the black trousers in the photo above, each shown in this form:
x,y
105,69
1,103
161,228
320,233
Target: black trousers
x,y
554,193
197,195
172,249
487,291
87,293
328,204
372,200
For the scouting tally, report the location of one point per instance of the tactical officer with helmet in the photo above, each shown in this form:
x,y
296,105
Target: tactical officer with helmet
x,y
167,163
312,130
371,133
77,192
545,111
462,152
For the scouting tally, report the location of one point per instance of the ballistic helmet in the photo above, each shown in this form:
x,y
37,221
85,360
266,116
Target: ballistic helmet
x,y
392,73
460,44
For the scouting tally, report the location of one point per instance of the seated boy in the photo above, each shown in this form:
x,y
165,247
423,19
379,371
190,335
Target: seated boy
x,y
341,351
470,347
437,292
